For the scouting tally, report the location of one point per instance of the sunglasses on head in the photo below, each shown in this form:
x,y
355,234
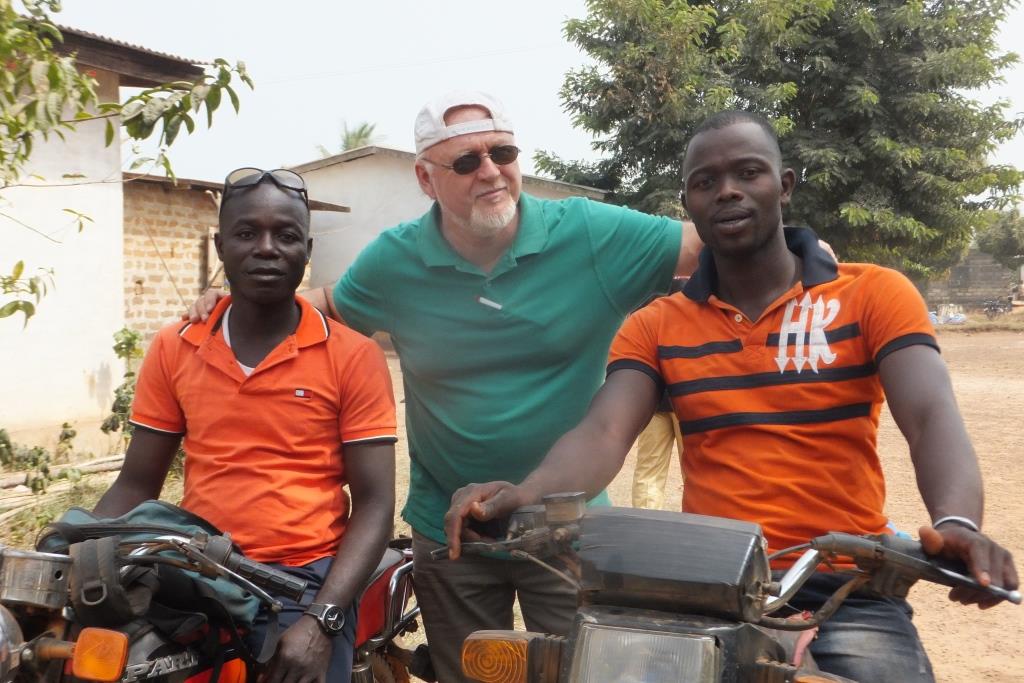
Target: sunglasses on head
x,y
470,162
248,176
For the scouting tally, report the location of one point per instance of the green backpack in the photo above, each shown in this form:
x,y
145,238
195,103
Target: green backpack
x,y
95,538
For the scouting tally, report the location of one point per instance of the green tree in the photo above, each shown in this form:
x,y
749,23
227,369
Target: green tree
x,y
869,97
351,138
1004,239
127,347
42,93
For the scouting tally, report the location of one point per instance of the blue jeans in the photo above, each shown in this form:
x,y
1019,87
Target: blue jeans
x,y
870,638
339,670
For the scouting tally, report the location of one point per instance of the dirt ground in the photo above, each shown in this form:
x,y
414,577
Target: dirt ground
x,y
965,644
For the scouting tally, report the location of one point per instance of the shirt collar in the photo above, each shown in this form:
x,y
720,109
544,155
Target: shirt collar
x,y
312,328
818,266
531,235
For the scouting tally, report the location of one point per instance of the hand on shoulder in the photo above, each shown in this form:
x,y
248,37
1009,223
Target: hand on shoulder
x,y
200,310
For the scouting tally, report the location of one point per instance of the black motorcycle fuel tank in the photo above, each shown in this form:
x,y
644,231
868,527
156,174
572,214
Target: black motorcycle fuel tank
x,y
673,562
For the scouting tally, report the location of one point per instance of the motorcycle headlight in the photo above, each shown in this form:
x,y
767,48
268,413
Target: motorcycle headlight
x,y
623,655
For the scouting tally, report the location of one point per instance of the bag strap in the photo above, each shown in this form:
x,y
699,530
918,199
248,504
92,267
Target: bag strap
x,y
273,634
76,533
99,594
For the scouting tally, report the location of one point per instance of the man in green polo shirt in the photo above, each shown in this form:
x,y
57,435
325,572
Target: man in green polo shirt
x,y
501,307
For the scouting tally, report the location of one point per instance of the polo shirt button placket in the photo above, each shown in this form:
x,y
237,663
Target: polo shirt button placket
x,y
738,317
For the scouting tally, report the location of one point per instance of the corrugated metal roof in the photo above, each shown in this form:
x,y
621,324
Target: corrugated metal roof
x,y
190,183
121,43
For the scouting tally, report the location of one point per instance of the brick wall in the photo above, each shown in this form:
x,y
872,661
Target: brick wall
x,y
168,250
976,279
165,251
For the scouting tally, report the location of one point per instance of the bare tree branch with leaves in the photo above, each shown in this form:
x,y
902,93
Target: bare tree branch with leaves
x,y
43,93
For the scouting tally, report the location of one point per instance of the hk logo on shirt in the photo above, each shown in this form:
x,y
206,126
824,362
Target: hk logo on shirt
x,y
805,332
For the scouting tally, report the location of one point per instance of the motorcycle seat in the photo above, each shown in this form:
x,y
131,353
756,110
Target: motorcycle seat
x,y
374,600
390,558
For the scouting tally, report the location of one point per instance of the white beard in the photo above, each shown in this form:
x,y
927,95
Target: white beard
x,y
490,223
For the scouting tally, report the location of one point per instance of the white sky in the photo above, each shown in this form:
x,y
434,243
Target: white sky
x,y
319,62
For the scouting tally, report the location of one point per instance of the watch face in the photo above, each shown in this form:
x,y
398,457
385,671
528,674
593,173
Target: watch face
x,y
333,619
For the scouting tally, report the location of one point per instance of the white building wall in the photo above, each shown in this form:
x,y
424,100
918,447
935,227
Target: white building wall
x,y
61,366
382,192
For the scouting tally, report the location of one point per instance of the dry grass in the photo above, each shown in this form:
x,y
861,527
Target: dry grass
x,y
977,322
23,528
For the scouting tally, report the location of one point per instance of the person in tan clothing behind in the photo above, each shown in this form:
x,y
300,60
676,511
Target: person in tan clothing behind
x,y
654,447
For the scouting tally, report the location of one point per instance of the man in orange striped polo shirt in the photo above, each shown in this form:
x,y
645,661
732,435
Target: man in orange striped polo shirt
x,y
777,362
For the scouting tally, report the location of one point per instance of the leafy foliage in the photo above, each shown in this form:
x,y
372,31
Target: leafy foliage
x,y
868,97
65,443
1004,239
127,347
24,291
35,461
177,104
352,138
43,94
37,85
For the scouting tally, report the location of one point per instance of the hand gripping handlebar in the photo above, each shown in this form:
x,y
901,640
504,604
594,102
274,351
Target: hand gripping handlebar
x,y
896,563
220,550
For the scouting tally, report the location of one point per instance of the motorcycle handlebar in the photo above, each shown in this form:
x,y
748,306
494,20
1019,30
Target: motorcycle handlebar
x,y
220,549
272,580
893,563
896,562
215,556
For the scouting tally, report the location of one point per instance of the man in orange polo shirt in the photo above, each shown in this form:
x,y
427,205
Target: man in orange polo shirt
x,y
280,408
777,362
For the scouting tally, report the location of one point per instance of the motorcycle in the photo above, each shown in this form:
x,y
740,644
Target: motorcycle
x,y
696,608
383,616
997,307
41,638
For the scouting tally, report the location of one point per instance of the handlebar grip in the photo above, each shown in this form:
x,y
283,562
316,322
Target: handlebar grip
x,y
272,580
891,556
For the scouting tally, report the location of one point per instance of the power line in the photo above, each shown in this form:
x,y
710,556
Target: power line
x,y
404,65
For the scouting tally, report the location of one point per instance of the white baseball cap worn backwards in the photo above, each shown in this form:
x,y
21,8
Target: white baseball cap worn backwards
x,y
431,128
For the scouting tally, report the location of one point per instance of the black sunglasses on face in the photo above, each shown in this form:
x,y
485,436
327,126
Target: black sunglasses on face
x,y
470,162
248,176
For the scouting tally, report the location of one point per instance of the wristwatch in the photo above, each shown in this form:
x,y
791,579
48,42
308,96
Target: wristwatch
x,y
330,617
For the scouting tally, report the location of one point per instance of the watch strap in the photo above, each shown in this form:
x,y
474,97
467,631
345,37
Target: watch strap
x,y
319,610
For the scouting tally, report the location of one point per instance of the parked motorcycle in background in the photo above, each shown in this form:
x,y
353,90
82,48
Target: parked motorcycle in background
x,y
997,307
671,597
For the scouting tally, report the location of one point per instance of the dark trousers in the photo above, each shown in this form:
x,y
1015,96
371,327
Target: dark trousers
x,y
870,638
476,593
340,668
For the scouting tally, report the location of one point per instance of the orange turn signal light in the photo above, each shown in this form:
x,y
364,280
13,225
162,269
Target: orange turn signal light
x,y
814,677
496,656
100,655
